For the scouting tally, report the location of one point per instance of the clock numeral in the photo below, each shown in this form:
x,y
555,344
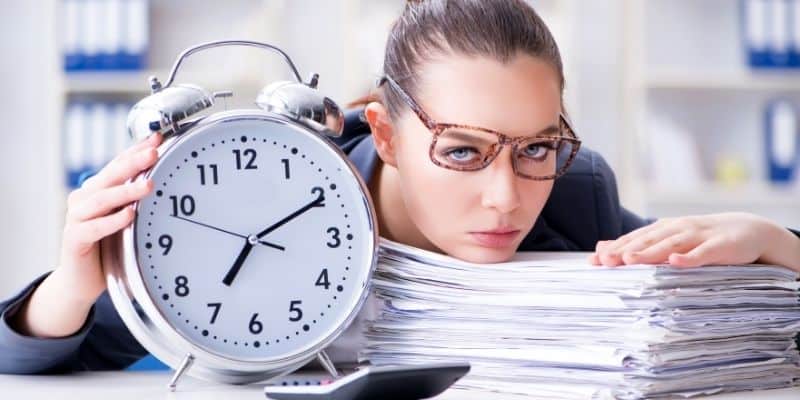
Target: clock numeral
x,y
285,162
322,280
182,286
214,175
216,307
185,205
165,241
320,195
335,237
255,326
246,153
296,310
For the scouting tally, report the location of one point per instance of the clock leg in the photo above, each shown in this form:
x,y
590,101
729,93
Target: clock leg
x,y
326,362
185,364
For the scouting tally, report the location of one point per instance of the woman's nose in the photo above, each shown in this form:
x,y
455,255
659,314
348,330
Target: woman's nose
x,y
500,190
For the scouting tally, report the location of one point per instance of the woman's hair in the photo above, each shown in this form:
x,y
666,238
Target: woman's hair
x,y
498,29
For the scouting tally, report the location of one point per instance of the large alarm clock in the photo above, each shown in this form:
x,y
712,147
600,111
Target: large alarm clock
x,y
256,247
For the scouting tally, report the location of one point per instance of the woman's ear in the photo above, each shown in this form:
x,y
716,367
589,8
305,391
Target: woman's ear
x,y
382,132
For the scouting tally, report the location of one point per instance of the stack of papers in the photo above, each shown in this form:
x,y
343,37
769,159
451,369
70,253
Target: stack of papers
x,y
554,326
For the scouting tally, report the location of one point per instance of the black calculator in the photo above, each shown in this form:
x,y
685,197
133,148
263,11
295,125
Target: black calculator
x,y
402,382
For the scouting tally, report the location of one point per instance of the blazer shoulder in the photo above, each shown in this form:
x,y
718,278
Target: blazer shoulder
x,y
584,203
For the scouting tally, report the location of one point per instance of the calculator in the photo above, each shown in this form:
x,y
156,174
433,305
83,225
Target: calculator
x,y
401,382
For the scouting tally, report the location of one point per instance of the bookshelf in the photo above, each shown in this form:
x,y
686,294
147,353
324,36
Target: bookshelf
x,y
685,63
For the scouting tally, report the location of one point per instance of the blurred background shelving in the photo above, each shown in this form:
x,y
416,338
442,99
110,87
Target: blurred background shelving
x,y
693,102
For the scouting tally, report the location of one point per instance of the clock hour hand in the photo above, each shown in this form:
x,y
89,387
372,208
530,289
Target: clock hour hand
x,y
263,242
237,265
318,202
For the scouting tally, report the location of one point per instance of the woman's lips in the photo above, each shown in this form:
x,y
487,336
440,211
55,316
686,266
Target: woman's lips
x,y
500,238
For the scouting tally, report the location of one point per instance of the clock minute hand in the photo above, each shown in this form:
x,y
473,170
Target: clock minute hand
x,y
318,202
264,242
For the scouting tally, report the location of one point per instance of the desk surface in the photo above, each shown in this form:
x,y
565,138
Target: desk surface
x,y
152,385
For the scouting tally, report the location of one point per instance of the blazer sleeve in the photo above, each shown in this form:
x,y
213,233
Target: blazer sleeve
x,y
103,343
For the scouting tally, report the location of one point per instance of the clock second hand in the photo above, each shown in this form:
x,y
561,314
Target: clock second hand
x,y
264,242
237,265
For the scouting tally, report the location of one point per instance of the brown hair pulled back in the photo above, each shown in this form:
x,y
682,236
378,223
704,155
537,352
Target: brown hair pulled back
x,y
498,29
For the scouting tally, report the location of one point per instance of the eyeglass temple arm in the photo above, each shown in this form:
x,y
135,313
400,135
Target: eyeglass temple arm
x,y
415,107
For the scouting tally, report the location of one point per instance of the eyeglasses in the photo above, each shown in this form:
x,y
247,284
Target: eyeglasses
x,y
544,156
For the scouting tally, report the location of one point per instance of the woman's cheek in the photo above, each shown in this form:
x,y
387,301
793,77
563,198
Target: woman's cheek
x,y
436,196
434,199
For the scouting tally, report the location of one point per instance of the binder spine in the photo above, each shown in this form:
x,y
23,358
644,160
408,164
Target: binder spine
x,y
754,19
134,49
794,39
73,59
779,34
781,141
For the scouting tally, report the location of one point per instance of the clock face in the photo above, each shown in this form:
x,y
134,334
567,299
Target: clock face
x,y
256,242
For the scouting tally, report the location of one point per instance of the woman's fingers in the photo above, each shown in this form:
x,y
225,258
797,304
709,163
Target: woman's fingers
x,y
704,254
125,166
84,235
614,253
609,252
660,250
647,240
152,140
104,201
612,245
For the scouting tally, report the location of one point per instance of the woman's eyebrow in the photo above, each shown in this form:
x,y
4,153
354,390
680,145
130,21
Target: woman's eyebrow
x,y
456,134
549,131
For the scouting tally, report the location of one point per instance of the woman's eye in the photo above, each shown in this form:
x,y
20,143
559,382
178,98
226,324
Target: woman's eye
x,y
534,151
462,154
538,151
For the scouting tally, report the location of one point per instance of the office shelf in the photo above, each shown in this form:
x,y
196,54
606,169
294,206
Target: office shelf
x,y
743,80
686,79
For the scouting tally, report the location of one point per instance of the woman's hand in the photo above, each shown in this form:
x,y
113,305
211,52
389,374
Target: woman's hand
x,y
100,207
729,238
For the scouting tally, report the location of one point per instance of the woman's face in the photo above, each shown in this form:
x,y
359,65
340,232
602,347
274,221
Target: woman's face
x,y
456,210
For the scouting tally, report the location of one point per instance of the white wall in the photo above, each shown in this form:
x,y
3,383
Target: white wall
x,y
30,177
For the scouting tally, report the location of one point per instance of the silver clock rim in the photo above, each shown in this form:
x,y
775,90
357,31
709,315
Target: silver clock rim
x,y
150,327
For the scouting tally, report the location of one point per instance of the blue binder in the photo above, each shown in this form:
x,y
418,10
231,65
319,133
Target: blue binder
x,y
781,141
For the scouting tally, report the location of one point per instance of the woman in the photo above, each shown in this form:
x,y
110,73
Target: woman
x,y
510,177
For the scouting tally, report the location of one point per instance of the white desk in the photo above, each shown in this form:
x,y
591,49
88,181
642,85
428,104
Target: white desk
x,y
126,385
